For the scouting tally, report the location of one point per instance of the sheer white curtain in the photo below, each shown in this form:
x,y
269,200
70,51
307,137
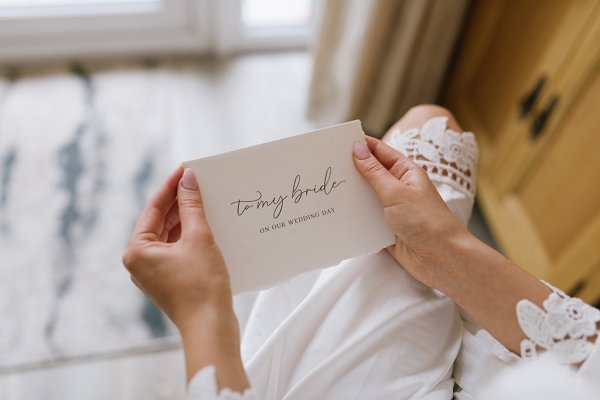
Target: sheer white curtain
x,y
375,59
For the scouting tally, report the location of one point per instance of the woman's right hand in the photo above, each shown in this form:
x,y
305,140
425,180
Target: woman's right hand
x,y
436,249
173,258
423,224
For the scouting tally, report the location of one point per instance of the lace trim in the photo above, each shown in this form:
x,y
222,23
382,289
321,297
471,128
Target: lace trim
x,y
203,386
447,156
228,394
566,327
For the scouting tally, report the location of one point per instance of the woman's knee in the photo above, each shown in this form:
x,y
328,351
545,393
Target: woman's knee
x,y
418,115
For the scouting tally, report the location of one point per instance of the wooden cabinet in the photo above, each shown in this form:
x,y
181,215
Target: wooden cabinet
x,y
527,82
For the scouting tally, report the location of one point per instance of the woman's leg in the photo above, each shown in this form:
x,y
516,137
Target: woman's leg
x,y
418,115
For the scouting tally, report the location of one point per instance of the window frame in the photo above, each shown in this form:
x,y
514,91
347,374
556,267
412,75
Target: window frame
x,y
232,37
182,27
58,32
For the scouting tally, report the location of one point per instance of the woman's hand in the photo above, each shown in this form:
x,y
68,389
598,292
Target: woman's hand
x,y
173,259
422,222
172,256
437,250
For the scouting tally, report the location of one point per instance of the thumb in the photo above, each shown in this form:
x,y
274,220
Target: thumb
x,y
191,208
374,172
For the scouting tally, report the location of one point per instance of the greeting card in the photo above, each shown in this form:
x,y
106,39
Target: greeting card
x,y
290,206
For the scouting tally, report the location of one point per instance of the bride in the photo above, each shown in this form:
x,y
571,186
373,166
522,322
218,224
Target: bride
x,y
438,315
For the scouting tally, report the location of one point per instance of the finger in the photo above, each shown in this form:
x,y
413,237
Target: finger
x,y
174,234
387,155
191,209
152,218
394,161
374,172
171,220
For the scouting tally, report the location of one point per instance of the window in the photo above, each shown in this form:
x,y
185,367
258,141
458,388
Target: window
x,y
60,28
247,25
261,14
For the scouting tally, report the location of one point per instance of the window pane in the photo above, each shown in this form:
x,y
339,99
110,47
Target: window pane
x,y
44,3
276,13
48,8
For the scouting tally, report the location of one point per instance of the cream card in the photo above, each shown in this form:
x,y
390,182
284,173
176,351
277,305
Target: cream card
x,y
290,206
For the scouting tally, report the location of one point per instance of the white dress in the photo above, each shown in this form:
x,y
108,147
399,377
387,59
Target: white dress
x,y
365,329
560,335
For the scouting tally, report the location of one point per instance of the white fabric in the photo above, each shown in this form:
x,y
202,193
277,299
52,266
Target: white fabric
x,y
203,386
565,327
563,333
363,329
591,367
544,378
366,329
449,157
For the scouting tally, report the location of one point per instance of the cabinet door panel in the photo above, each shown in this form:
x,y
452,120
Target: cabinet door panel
x,y
541,195
512,58
510,44
561,194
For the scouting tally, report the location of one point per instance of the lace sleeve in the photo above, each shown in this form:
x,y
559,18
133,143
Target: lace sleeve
x,y
203,386
566,327
447,156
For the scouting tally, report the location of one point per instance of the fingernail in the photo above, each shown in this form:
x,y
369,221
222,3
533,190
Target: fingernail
x,y
188,181
361,151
